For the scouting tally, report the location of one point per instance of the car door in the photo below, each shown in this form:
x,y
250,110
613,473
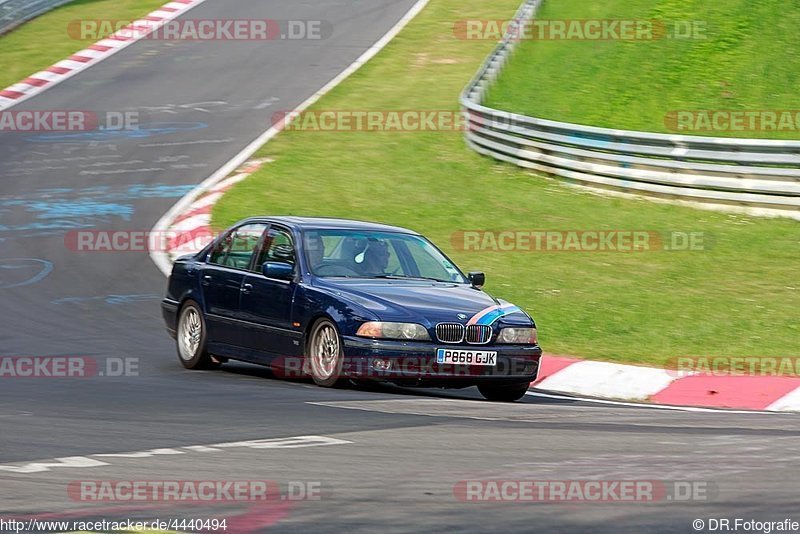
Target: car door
x,y
267,303
222,279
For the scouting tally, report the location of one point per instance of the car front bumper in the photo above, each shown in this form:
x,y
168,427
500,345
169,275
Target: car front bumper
x,y
414,363
169,312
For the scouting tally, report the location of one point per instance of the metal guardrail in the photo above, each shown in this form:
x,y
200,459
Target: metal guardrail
x,y
753,173
15,12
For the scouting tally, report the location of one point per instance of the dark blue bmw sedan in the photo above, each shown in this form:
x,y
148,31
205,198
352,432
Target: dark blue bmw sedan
x,y
343,300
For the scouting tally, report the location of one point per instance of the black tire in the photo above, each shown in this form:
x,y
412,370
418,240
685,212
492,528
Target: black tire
x,y
504,392
325,355
191,338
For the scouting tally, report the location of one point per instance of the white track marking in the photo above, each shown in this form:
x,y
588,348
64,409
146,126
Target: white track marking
x,y
46,465
201,448
78,462
651,406
285,443
789,402
604,379
141,454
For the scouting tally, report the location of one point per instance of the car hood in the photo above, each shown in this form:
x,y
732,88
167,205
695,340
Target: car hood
x,y
421,301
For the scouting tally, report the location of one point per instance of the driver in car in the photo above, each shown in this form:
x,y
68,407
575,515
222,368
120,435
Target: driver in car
x,y
376,258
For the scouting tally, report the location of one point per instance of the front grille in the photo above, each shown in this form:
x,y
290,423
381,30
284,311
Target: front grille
x,y
450,332
475,334
478,334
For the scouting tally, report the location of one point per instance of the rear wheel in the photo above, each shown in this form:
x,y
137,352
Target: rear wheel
x,y
191,338
504,392
324,354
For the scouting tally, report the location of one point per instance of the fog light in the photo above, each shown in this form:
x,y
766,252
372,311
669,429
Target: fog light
x,y
379,364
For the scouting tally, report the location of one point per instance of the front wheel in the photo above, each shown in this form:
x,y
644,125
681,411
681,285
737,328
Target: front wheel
x,y
504,392
191,338
324,354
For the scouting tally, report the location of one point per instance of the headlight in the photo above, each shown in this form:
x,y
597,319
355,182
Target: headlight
x,y
378,329
519,336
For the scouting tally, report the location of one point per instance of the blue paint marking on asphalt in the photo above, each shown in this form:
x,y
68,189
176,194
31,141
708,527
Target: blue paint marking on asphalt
x,y
55,210
141,132
50,226
158,190
79,208
45,268
109,299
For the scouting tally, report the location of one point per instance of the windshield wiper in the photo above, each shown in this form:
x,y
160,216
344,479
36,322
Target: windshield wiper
x,y
407,277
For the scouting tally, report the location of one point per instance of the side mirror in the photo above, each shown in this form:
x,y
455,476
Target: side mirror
x,y
278,270
477,278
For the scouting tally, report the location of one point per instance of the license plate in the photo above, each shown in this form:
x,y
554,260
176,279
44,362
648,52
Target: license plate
x,y
466,357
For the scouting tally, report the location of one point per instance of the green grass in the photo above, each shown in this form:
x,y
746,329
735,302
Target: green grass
x,y
750,60
45,40
740,298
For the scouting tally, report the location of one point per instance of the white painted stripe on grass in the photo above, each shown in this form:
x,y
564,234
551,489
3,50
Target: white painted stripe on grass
x,y
603,379
788,403
161,258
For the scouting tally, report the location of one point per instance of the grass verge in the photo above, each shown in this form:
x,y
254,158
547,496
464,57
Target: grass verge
x,y
738,297
747,60
45,40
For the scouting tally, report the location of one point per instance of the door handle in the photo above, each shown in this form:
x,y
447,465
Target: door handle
x,y
247,288
206,279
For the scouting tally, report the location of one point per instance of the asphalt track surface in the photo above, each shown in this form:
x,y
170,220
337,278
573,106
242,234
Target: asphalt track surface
x,y
401,452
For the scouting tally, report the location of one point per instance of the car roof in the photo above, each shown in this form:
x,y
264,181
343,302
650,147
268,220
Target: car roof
x,y
331,223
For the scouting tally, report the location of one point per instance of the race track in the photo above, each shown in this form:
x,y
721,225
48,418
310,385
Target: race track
x,y
399,453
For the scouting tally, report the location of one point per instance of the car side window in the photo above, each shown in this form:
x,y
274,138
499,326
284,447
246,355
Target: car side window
x,y
237,247
278,246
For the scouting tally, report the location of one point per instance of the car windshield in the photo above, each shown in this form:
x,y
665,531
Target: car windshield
x,y
380,255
